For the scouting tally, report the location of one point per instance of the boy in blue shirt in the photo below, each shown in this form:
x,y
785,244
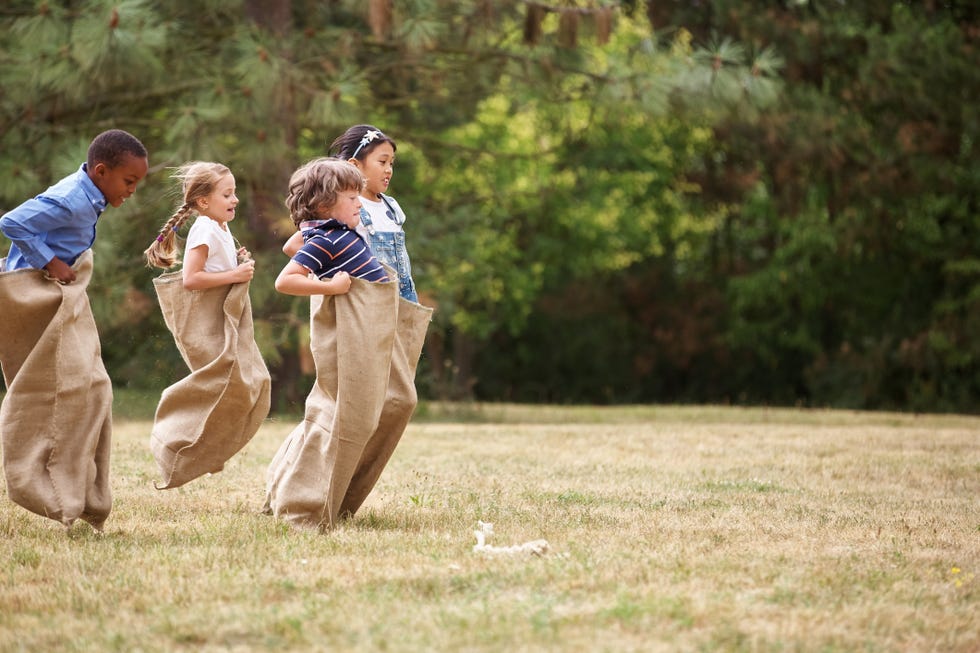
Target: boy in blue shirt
x,y
50,231
56,417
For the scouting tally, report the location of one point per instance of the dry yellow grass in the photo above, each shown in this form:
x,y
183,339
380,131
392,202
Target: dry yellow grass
x,y
671,529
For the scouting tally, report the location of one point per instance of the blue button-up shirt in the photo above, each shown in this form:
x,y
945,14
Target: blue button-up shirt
x,y
58,222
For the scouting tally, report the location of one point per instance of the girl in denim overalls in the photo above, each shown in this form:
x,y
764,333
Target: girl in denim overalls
x,y
381,218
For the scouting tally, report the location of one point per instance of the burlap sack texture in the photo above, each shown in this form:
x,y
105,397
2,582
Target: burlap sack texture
x,y
366,345
56,419
208,416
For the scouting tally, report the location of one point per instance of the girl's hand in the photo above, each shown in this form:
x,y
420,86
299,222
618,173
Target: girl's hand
x,y
244,272
338,285
293,245
244,254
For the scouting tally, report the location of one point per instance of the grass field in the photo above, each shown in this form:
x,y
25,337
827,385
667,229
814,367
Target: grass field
x,y
670,529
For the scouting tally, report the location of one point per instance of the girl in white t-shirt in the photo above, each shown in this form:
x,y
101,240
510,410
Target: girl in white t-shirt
x,y
207,416
210,256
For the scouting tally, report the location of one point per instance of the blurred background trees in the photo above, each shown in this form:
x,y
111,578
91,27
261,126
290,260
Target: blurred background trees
x,y
608,202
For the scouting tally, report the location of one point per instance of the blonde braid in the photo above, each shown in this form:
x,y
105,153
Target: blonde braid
x,y
162,252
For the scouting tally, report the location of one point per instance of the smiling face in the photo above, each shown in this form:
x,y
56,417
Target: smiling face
x,y
119,182
347,208
220,204
377,168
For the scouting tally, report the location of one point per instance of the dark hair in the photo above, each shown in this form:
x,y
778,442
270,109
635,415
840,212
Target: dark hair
x,y
346,145
111,146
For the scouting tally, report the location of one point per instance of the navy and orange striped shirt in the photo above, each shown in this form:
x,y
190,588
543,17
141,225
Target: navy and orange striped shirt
x,y
330,247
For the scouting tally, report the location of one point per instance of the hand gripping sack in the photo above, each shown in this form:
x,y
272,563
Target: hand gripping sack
x,y
56,419
366,346
208,416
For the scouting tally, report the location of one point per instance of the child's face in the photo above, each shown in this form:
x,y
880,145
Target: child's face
x,y
347,208
220,204
120,182
377,168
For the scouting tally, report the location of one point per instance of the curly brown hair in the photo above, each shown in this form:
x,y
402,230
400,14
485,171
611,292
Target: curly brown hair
x,y
316,184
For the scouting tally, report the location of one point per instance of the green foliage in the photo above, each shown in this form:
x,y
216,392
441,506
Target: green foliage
x,y
751,202
847,250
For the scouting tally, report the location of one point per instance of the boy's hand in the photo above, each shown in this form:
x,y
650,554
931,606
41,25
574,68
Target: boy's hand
x,y
59,271
244,254
339,284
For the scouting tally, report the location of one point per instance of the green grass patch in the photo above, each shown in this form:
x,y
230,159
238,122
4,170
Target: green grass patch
x,y
670,528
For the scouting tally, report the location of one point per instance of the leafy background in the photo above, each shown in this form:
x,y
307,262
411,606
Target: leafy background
x,y
717,201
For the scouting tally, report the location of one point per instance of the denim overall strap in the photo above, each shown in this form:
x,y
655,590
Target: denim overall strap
x,y
396,217
392,212
389,248
366,220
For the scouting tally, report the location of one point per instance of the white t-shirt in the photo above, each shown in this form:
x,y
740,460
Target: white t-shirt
x,y
379,216
222,253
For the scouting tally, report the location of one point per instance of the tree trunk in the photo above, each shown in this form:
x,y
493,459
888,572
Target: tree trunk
x,y
265,211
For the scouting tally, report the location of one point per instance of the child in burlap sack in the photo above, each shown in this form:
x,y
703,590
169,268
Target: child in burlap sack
x,y
207,417
365,341
56,419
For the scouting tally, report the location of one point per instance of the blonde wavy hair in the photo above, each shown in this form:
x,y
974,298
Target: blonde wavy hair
x,y
198,180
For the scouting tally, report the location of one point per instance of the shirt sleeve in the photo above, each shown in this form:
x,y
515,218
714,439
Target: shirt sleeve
x,y
28,224
311,255
199,235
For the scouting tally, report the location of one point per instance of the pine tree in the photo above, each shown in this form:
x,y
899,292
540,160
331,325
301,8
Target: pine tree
x,y
264,86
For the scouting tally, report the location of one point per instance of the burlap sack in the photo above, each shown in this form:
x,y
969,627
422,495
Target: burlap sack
x,y
366,345
56,420
208,416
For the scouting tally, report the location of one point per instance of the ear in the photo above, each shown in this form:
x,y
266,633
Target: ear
x,y
100,169
354,162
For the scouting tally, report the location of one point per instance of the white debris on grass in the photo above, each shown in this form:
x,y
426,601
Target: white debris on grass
x,y
485,530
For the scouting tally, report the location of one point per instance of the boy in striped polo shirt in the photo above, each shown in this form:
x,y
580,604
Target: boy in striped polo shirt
x,y
324,202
